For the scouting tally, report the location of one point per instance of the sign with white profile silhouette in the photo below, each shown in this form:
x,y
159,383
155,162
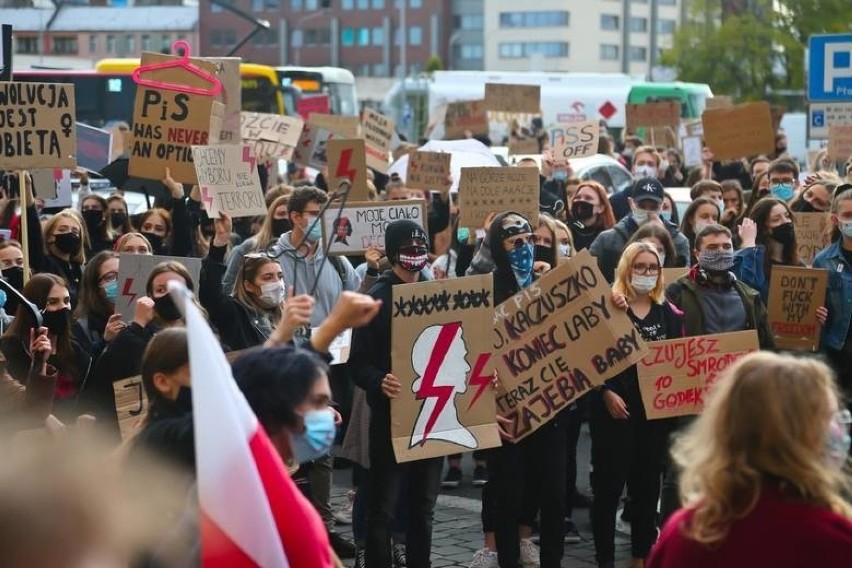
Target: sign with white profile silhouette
x,y
442,357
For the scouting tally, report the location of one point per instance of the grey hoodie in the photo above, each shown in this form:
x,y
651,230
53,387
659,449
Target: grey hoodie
x,y
302,273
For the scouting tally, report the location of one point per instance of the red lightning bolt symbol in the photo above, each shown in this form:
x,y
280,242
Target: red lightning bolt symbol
x,y
126,292
478,379
206,198
248,158
428,388
343,169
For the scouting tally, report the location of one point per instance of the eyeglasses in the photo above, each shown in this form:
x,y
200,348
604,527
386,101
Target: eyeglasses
x,y
642,268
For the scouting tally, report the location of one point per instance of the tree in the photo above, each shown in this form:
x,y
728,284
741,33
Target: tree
x,y
434,63
751,48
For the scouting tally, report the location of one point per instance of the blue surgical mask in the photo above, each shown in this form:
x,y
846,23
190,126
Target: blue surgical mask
x,y
314,231
838,440
111,290
846,229
560,175
721,205
317,439
782,191
521,261
666,216
463,234
2,298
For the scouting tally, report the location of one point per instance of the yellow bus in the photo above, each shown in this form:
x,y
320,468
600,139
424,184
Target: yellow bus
x,y
260,91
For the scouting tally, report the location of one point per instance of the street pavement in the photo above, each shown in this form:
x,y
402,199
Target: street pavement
x,y
457,531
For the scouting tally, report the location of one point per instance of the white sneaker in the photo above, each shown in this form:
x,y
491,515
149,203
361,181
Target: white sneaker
x,y
484,558
530,555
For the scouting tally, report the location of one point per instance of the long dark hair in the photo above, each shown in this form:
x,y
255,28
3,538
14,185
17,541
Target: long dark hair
x,y
689,216
167,352
760,215
653,230
90,300
36,291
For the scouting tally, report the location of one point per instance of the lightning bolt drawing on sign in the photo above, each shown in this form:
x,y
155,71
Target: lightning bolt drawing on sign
x,y
206,198
479,380
428,389
248,158
126,292
343,169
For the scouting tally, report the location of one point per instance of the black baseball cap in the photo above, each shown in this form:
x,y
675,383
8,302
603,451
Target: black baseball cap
x,y
648,188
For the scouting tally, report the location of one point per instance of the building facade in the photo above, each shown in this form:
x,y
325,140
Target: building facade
x,y
626,36
362,35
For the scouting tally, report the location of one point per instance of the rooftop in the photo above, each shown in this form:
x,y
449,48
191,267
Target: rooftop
x,y
104,19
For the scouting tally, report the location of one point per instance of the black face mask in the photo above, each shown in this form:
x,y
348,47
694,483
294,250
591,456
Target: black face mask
x,y
166,308
156,242
68,243
117,219
543,254
582,210
281,226
804,206
93,220
15,277
784,234
184,399
56,322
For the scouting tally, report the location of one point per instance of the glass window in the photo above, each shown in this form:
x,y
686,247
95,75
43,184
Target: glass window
x,y
666,26
521,50
296,5
363,4
146,42
65,45
638,53
26,44
378,5
297,38
639,1
347,37
415,35
472,52
609,22
378,36
363,36
93,43
230,37
257,5
609,52
415,3
271,4
540,19
215,8
166,41
311,4
347,4
667,2
131,44
216,38
110,44
380,70
471,22
639,25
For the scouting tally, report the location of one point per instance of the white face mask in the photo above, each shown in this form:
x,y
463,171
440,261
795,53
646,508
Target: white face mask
x,y
643,171
643,284
664,165
564,250
640,216
272,294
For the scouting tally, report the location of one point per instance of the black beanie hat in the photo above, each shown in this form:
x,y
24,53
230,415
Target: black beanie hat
x,y
400,233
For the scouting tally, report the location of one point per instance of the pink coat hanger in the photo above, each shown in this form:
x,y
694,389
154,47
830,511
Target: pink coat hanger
x,y
182,63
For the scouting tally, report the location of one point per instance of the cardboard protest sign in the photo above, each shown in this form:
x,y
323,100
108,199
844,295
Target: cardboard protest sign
x,y
443,360
131,404
320,104
311,151
692,147
94,147
271,136
378,133
662,136
742,130
37,126
513,98
556,340
347,160
795,293
344,126
674,274
720,101
575,140
361,225
494,189
675,375
463,116
167,123
811,235
228,73
228,180
340,346
428,170
650,115
839,142
133,272
54,186
523,146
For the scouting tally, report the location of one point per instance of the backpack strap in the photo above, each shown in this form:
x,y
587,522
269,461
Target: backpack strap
x,y
341,269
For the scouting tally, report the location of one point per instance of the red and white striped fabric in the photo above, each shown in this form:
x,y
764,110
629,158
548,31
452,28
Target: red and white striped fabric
x,y
251,512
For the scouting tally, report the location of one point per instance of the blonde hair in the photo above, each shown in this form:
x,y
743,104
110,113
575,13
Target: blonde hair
x,y
560,226
50,227
624,272
265,237
765,421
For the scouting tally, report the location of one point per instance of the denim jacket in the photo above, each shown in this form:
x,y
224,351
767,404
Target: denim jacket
x,y
749,269
839,297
